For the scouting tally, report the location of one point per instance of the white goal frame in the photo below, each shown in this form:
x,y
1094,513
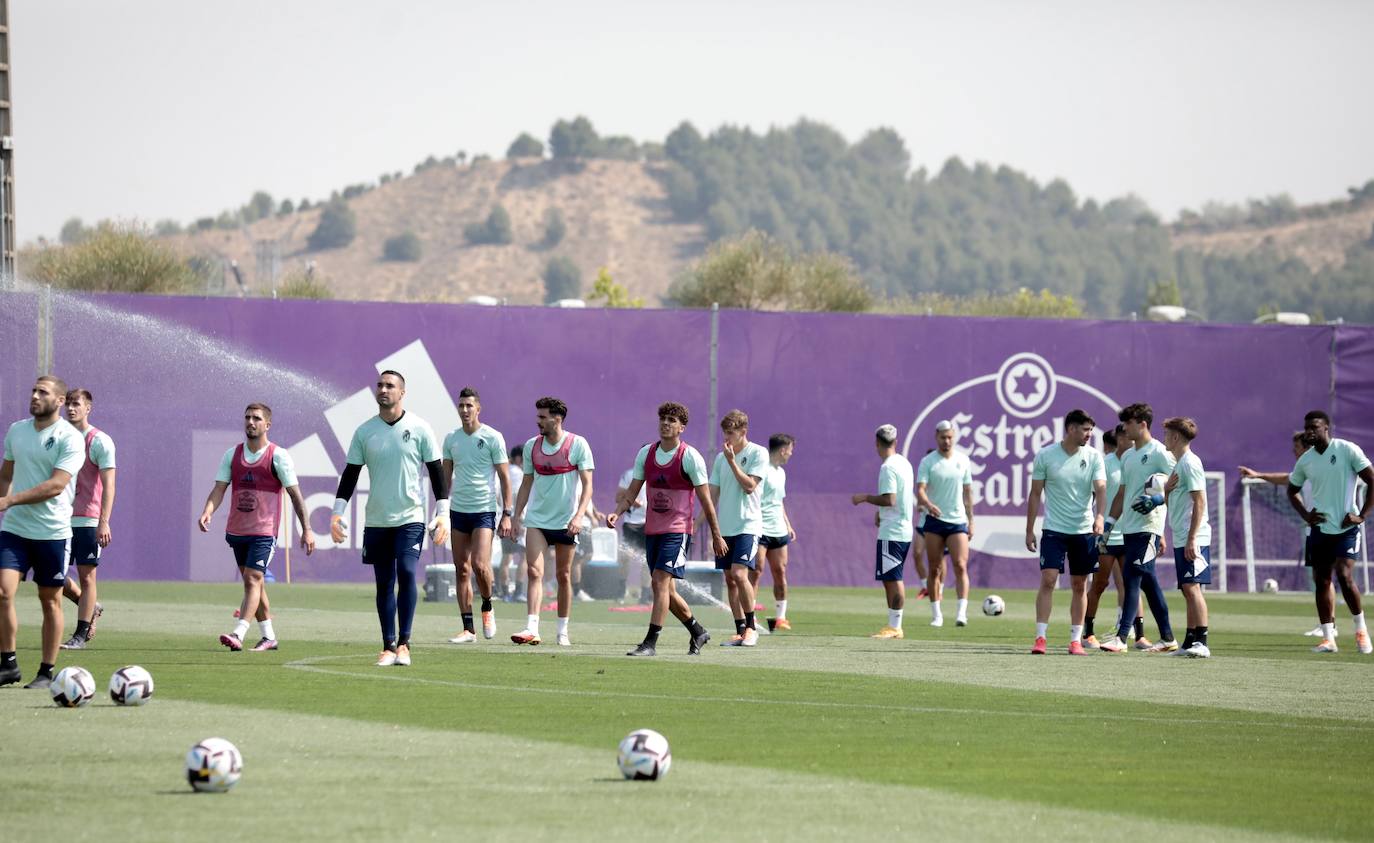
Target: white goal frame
x,y
1246,484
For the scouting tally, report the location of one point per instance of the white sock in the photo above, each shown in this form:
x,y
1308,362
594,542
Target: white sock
x,y
935,613
241,628
1329,631
1359,623
1041,629
562,626
894,618
532,624
962,610
266,627
782,609
1075,632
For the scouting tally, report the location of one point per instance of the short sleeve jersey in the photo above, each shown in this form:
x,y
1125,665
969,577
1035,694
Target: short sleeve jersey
x,y
102,456
36,454
692,463
475,457
896,477
636,516
740,514
774,492
282,465
1191,478
394,455
945,479
1332,475
1111,463
553,497
1069,480
1137,465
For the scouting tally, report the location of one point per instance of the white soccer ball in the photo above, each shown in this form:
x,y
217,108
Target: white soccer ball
x,y
1271,586
131,685
72,687
213,766
644,756
994,606
1155,485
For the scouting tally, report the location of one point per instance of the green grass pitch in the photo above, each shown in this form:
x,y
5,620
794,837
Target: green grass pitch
x,y
820,733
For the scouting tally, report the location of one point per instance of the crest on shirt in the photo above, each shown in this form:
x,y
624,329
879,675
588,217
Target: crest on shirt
x,y
52,440
405,436
1333,459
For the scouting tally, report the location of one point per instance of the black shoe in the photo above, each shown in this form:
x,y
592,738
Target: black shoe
x,y
76,642
40,682
698,641
643,650
10,675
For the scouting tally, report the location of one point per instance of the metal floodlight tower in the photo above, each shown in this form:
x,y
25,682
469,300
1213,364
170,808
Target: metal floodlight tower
x,y
7,241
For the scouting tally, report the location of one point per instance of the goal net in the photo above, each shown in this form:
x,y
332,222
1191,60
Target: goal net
x,y
1275,537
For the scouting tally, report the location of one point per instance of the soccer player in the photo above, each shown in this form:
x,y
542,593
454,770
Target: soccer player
x,y
736,481
471,454
777,527
556,462
1331,466
1187,491
42,457
944,488
95,493
1141,524
1114,445
393,445
257,471
673,471
894,500
1072,478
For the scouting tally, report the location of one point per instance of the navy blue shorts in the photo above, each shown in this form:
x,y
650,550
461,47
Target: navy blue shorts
x,y
668,552
936,527
252,551
85,548
1325,549
1198,571
740,551
398,546
47,558
557,536
466,522
1139,549
890,561
1079,548
774,542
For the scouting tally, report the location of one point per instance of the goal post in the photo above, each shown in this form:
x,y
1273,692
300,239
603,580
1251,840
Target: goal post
x,y
1276,537
1216,516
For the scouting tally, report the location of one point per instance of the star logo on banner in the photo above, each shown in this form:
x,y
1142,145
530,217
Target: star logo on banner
x,y
1026,385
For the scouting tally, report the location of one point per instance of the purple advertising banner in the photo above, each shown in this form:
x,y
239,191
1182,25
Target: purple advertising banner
x,y
171,376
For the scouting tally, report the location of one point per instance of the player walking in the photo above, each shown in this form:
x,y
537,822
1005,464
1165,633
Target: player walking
x,y
1071,475
258,472
95,493
1142,528
1187,490
471,454
42,457
556,462
944,488
1331,465
894,500
673,471
777,527
393,445
736,478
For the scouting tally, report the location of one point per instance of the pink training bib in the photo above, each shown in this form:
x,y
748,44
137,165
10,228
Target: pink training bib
x,y
555,463
89,485
669,496
256,495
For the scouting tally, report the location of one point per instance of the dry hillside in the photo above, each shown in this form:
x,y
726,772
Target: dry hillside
x,y
1318,242
616,213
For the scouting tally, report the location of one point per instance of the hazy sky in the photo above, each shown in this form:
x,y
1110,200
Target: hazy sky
x,y
181,108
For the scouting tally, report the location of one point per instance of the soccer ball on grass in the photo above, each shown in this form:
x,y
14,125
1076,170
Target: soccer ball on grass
x,y
213,766
1271,586
644,756
131,685
72,687
994,606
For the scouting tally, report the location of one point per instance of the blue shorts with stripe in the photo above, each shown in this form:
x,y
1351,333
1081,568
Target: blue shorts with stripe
x,y
1199,571
1080,549
253,552
740,550
668,552
891,560
1325,549
47,558
85,547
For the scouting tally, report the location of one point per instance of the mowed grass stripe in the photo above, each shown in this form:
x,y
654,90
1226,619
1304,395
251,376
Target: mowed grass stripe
x,y
319,777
